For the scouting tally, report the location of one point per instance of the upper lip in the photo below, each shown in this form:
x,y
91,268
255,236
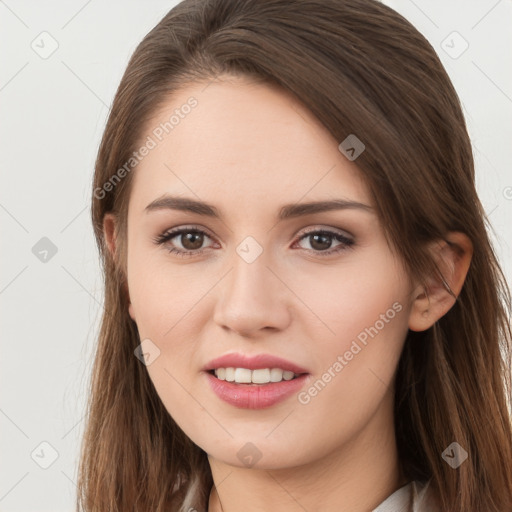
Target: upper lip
x,y
255,362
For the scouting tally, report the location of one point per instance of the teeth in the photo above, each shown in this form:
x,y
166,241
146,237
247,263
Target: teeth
x,y
243,375
259,376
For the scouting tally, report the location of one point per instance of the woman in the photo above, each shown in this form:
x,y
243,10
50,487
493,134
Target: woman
x,y
303,309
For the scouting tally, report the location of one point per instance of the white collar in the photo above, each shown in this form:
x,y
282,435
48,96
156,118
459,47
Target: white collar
x,y
412,497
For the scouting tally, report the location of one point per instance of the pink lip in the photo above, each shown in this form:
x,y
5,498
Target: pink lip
x,y
255,396
234,360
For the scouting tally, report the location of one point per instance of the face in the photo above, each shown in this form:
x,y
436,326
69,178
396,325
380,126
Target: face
x,y
318,288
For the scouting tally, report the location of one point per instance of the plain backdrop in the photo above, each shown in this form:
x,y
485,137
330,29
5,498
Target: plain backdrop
x,y
60,64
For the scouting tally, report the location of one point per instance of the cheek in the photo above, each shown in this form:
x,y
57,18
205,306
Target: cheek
x,y
167,301
162,303
362,293
366,312
161,294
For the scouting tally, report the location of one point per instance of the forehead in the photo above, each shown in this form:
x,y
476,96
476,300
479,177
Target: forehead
x,y
242,142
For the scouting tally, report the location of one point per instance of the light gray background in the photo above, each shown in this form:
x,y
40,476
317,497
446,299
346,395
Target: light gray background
x,y
53,114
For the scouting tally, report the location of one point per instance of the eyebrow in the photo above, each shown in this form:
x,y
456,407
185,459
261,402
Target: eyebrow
x,y
287,211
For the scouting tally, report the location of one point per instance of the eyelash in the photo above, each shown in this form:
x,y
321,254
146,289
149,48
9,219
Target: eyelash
x,y
346,243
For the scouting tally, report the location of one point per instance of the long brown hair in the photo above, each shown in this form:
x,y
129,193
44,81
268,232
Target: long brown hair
x,y
362,69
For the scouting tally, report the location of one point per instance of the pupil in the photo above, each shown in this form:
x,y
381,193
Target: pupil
x,y
189,237
325,245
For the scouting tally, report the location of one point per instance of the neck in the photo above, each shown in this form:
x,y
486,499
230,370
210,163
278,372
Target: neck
x,y
355,477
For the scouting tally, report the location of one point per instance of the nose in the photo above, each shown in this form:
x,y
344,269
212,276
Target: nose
x,y
253,298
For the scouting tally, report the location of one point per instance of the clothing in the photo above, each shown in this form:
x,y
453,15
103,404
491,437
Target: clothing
x,y
412,497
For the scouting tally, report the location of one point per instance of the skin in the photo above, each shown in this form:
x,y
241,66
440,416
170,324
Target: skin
x,y
248,149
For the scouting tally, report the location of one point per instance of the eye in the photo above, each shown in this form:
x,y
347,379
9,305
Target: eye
x,y
190,239
321,241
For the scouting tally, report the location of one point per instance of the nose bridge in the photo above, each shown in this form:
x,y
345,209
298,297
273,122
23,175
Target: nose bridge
x,y
251,297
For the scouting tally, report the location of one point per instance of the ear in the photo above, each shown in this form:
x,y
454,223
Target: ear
x,y
453,256
109,230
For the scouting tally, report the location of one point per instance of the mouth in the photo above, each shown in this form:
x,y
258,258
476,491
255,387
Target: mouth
x,y
257,377
254,389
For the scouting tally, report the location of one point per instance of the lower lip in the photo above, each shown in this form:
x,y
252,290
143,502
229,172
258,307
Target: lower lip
x,y
255,396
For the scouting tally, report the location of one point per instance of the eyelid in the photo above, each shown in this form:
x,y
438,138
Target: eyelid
x,y
314,229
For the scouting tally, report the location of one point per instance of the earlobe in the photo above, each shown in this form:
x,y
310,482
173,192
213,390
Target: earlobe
x,y
433,300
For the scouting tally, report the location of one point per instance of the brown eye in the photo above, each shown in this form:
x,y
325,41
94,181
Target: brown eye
x,y
321,242
184,241
192,240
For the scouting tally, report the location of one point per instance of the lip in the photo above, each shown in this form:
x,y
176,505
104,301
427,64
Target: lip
x,y
255,396
256,362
